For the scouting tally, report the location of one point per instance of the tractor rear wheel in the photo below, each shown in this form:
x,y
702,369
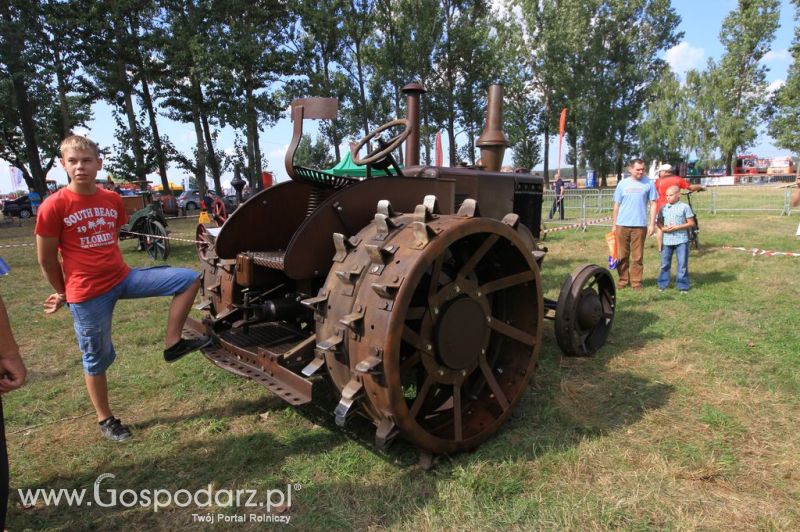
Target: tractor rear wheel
x,y
438,326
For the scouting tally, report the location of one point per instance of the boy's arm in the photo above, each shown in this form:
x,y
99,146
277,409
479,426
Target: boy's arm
x,y
47,253
12,370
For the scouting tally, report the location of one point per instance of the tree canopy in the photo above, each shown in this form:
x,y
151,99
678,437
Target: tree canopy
x,y
236,64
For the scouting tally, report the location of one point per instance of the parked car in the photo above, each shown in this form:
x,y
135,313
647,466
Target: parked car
x,y
189,200
20,207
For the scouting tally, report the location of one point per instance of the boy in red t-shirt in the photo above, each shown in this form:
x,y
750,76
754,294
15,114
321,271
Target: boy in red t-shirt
x,y
83,222
667,179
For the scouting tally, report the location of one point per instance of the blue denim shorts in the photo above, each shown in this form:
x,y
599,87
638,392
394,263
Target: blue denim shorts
x,y
92,318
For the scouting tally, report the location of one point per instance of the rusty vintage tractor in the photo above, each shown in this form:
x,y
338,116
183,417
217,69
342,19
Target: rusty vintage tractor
x,y
416,294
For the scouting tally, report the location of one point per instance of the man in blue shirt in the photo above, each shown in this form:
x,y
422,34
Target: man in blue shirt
x,y
630,223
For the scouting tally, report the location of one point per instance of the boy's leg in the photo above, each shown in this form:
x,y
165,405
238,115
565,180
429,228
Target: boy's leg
x,y
97,386
178,312
666,266
623,236
682,274
182,284
561,207
92,322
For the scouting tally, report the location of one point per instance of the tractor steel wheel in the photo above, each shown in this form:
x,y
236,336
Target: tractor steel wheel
x,y
156,242
444,327
585,310
203,243
218,212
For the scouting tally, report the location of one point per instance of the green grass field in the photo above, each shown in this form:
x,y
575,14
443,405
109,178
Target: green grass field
x,y
686,419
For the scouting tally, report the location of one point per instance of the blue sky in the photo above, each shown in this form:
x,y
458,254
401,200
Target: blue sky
x,y
701,23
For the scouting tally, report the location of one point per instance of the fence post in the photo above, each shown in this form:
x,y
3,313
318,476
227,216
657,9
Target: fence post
x,y
713,201
583,211
787,202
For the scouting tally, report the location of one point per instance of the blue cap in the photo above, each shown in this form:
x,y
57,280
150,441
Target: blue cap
x,y
4,268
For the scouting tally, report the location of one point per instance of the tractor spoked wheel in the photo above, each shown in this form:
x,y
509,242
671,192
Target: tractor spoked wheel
x,y
444,325
218,212
203,242
156,241
585,310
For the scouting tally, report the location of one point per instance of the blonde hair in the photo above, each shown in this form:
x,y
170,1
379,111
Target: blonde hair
x,y
78,142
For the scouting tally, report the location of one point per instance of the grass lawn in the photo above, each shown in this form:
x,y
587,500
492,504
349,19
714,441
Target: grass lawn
x,y
686,419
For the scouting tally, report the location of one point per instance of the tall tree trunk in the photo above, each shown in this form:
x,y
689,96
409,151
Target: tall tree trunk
x,y
151,114
546,163
200,172
211,154
63,103
249,115
426,139
620,163
451,139
256,153
573,142
29,134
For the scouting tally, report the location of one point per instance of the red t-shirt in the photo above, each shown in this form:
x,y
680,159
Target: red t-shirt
x,y
86,227
663,183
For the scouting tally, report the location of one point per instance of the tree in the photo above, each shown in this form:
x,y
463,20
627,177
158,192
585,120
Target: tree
x,y
188,59
785,122
738,81
37,104
315,154
663,132
628,36
253,60
523,109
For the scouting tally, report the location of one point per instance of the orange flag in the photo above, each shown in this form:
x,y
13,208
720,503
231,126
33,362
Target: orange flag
x,y
562,124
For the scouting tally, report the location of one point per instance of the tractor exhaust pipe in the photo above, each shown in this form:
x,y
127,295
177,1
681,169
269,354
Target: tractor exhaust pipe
x,y
493,141
413,92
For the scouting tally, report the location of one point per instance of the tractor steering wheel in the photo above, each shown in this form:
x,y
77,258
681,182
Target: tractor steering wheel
x,y
378,154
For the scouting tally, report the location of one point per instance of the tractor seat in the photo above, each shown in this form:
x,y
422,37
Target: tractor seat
x,y
322,179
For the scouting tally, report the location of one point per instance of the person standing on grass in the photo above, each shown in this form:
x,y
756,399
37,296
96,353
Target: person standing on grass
x,y
83,222
12,376
667,179
630,223
558,200
675,219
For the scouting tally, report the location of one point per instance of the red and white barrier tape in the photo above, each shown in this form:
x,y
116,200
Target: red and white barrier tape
x,y
764,252
578,225
164,237
18,245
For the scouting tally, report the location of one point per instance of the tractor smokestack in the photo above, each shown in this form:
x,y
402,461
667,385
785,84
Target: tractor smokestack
x,y
413,92
493,141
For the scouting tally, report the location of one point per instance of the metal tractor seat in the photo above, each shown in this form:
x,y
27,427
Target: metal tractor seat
x,y
319,109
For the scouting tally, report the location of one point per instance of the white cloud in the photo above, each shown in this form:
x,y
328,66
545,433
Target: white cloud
x,y
278,153
776,55
230,151
775,85
684,57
